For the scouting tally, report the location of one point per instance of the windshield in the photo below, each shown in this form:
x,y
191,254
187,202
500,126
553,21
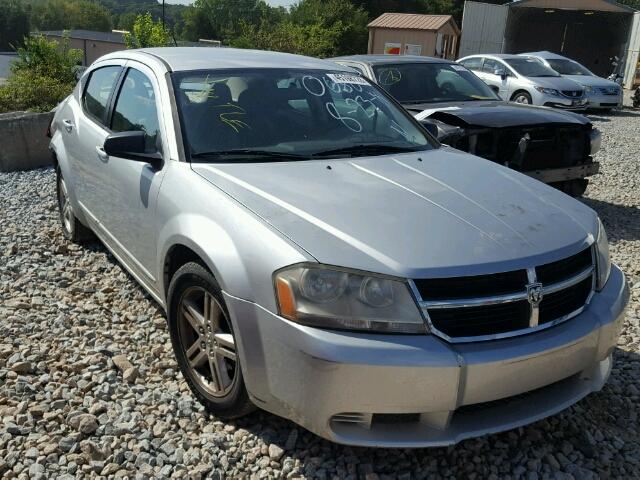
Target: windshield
x,y
568,67
278,114
432,83
530,67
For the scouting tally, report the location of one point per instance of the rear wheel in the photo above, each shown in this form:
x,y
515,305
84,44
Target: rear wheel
x,y
205,343
522,97
72,228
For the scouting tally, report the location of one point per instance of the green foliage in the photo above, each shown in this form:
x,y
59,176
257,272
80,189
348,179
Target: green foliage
x,y
42,76
147,33
69,15
14,23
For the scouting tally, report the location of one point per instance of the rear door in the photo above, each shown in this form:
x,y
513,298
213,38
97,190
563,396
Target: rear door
x,y
84,131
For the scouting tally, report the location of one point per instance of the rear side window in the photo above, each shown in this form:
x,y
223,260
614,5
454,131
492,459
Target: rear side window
x,y
473,63
99,88
136,109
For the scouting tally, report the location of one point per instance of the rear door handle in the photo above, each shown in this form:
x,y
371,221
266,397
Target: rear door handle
x,y
68,125
102,155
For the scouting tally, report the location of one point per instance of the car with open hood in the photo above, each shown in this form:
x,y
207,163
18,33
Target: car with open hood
x,y
320,256
602,94
553,146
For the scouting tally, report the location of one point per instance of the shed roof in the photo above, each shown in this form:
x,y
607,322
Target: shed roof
x,y
113,37
596,5
412,21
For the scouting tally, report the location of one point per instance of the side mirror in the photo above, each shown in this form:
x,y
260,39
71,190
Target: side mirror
x,y
131,145
501,73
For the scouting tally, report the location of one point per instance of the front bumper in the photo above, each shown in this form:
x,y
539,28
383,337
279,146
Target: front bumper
x,y
417,390
558,101
552,175
604,101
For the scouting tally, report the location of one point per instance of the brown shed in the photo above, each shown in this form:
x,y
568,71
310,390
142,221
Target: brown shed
x,y
414,34
93,44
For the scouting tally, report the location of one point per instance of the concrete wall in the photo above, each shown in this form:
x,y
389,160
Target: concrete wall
x,y
23,141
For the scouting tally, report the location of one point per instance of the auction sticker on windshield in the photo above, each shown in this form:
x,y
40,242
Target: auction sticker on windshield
x,y
346,78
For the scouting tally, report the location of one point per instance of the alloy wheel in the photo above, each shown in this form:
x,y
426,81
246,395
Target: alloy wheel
x,y
522,99
208,342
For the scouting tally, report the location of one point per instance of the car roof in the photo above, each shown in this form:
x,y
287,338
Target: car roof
x,y
200,58
545,54
502,56
380,59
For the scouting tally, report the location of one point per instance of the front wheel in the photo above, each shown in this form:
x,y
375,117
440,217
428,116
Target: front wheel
x,y
522,98
205,343
574,188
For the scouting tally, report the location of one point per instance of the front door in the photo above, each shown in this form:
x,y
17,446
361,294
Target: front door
x,y
131,224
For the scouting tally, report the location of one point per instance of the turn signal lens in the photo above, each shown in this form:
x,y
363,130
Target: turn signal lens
x,y
285,299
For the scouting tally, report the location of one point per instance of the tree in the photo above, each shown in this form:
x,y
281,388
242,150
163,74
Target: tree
x,y
147,33
69,14
14,23
42,76
224,19
345,22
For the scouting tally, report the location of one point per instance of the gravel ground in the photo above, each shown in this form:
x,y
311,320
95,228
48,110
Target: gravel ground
x,y
72,324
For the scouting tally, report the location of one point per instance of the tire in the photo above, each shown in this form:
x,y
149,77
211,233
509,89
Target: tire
x,y
574,188
72,228
522,97
204,343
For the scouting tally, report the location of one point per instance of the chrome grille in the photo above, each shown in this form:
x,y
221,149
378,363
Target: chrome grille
x,y
510,303
572,93
609,90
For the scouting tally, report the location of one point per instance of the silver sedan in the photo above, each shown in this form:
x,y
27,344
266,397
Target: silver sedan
x,y
320,256
602,94
526,80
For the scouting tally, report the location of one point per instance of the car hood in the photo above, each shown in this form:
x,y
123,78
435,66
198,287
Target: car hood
x,y
592,81
437,213
494,114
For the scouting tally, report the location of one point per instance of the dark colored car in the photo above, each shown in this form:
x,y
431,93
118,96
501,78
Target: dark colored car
x,y
553,146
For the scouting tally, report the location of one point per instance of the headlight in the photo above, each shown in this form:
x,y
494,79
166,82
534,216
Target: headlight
x,y
332,297
548,91
587,89
596,141
603,261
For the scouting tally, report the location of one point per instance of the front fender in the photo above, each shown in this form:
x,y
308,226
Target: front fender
x,y
240,249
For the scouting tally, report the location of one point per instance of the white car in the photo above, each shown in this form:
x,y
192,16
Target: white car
x,y
525,80
601,93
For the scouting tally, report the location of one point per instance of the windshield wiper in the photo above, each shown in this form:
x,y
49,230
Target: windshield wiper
x,y
248,152
365,149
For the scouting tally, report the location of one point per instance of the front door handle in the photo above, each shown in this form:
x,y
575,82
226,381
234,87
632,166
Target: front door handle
x,y
68,125
102,155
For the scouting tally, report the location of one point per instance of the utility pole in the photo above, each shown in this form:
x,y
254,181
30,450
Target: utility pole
x,y
163,27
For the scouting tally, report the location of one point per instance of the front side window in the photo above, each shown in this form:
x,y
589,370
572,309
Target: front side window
x,y
136,110
282,114
568,67
415,83
492,66
530,67
474,63
98,90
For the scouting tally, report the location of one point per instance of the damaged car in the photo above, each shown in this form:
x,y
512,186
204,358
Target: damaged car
x,y
460,110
